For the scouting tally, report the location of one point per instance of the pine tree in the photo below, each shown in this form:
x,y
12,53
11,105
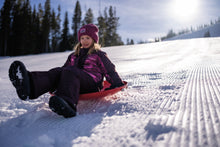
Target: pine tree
x,y
53,24
207,34
76,21
110,28
58,33
36,31
28,31
89,18
171,34
18,24
112,38
65,42
40,13
40,40
108,25
46,26
21,38
130,42
102,28
55,29
5,26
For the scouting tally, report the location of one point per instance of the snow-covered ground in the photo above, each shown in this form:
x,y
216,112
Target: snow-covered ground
x,y
214,31
172,99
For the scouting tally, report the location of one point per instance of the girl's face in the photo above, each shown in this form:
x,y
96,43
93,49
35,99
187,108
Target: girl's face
x,y
86,41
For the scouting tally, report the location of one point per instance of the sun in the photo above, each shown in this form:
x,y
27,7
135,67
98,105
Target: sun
x,y
184,10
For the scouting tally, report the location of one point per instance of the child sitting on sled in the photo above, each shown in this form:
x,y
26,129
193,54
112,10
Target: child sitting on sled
x,y
83,72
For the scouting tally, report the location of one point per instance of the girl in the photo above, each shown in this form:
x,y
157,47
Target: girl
x,y
83,72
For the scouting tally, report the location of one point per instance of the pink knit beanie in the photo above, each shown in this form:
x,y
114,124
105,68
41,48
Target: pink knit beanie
x,y
90,30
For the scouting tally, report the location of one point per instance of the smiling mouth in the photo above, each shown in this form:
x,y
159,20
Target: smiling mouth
x,y
85,44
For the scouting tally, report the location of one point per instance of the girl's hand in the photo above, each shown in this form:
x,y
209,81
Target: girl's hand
x,y
114,86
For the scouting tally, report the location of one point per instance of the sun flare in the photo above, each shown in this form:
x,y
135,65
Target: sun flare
x,y
184,10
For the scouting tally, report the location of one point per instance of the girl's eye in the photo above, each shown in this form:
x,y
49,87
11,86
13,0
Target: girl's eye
x,y
83,38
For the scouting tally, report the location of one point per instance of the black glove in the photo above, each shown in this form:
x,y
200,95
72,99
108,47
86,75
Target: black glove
x,y
114,86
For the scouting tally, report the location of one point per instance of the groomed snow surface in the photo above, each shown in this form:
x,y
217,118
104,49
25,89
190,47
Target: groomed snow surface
x,y
172,99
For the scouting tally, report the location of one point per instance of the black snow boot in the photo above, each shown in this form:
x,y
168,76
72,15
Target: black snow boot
x,y
61,107
20,79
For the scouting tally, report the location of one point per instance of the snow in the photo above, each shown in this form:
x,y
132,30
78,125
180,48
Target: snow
x,y
214,31
172,99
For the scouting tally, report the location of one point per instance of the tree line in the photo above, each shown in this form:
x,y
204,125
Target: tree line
x,y
171,33
26,30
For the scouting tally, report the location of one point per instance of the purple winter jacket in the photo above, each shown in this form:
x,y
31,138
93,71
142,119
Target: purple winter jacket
x,y
97,65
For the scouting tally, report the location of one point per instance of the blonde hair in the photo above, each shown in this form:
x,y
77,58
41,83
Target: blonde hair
x,y
94,48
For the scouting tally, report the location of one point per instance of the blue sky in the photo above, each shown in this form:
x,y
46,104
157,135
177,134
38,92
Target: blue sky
x,y
146,19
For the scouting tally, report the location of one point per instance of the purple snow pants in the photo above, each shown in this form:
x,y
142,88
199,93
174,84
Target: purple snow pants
x,y
68,82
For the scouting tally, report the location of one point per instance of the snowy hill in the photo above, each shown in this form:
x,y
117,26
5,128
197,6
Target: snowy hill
x,y
214,31
172,99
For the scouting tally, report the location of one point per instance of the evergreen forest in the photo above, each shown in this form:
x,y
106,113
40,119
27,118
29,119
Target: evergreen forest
x,y
27,29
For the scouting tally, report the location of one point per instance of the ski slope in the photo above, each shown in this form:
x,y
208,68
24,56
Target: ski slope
x,y
214,31
172,99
